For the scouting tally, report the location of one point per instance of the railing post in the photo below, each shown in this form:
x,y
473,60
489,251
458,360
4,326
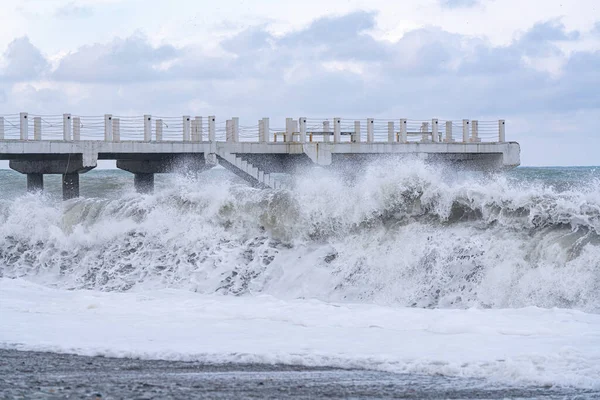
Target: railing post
x,y
391,132
266,130
186,128
194,130
425,132
37,128
449,138
501,131
76,128
228,131
403,130
337,130
235,125
147,128
261,130
475,131
159,130
434,130
116,130
302,123
465,130
24,126
289,130
108,127
198,129
211,128
67,127
326,131
370,129
1,128
356,136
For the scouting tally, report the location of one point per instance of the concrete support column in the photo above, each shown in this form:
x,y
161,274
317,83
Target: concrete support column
x,y
147,128
370,130
70,186
143,182
235,125
501,131
211,128
108,127
337,130
449,138
67,127
465,130
35,182
116,130
186,128
475,131
391,132
37,128
356,136
159,130
326,131
434,130
302,129
1,128
76,128
403,131
24,126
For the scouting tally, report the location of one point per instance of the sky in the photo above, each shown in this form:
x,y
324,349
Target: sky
x,y
535,64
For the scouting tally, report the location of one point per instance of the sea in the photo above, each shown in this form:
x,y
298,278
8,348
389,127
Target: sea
x,y
411,270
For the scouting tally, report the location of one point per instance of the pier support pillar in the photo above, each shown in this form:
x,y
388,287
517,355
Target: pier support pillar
x,y
35,182
70,186
143,182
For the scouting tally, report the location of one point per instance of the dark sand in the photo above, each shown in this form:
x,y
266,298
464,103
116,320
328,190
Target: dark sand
x,y
33,375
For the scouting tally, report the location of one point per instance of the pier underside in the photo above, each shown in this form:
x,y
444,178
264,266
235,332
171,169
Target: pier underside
x,y
260,164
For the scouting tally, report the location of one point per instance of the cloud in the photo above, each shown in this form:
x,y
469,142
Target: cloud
x,y
458,3
123,60
23,61
73,10
331,66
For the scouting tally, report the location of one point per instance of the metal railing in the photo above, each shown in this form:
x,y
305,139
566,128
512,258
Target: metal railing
x,y
115,128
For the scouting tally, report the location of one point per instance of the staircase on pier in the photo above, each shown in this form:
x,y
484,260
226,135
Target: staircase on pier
x,y
248,172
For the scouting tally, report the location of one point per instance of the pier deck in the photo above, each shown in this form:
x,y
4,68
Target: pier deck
x,y
254,153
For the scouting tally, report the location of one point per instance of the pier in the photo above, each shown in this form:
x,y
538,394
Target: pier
x,y
71,145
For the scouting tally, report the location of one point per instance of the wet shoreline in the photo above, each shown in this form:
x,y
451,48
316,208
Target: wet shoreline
x,y
36,375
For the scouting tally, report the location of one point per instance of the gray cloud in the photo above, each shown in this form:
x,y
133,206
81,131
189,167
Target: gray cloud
x,y
23,61
427,71
458,3
123,60
73,10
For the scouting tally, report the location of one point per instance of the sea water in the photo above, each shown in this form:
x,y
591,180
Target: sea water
x,y
409,267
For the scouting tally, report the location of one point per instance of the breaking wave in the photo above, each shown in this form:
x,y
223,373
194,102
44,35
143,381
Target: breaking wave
x,y
402,234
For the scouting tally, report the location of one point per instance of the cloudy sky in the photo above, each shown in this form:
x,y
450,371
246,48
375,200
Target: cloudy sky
x,y
534,63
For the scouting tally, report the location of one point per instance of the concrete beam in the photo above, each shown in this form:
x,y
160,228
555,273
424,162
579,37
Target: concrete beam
x,y
59,167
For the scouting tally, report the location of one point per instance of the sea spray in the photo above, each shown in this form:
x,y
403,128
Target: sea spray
x,y
407,234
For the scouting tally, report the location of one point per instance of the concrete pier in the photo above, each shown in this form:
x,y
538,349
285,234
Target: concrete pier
x,y
35,182
70,186
257,153
144,183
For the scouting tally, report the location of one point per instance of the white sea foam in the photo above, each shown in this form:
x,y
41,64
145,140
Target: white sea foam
x,y
529,346
402,235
